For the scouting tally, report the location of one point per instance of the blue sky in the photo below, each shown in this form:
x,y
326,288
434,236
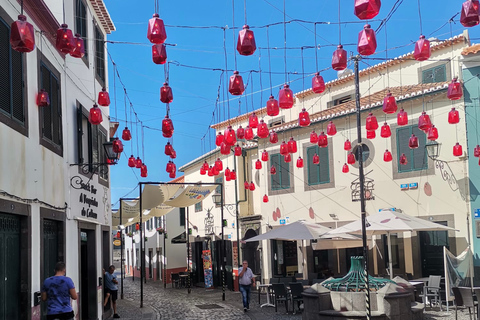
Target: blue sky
x,y
196,90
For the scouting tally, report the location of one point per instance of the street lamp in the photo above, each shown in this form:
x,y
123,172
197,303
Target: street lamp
x,y
218,200
433,150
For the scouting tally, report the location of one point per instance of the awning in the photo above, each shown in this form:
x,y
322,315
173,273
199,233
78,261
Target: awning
x,y
181,238
190,196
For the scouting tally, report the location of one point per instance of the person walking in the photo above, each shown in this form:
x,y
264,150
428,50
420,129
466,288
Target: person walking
x,y
245,279
111,289
57,291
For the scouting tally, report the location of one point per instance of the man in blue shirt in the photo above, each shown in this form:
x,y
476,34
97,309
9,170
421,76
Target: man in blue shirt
x,y
111,289
245,278
57,291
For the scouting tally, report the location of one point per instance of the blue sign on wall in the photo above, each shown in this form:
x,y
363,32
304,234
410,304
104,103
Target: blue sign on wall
x,y
477,213
404,186
413,185
282,221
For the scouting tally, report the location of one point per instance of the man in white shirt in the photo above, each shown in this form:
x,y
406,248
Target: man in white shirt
x,y
245,279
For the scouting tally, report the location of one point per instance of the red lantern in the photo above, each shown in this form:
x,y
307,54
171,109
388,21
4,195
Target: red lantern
x,y
218,164
167,127
303,118
172,175
240,133
347,146
131,161
159,53
258,164
387,156
236,87
367,42
264,155
432,133
287,158
422,49
137,226
22,35
371,122
273,137
385,131
173,155
273,170
138,163
103,98
42,98
210,171
227,174
299,162
95,116
316,159
371,134
424,122
350,158
345,168
219,139
389,104
285,97
313,137
65,42
203,171
215,171
117,146
453,116
403,159
224,149
318,84
229,136
156,30
469,13
476,151
78,47
238,151
322,140
144,171
166,94
168,149
251,186
457,150
283,148
455,91
262,131
233,175
331,129
126,135
205,165
248,133
339,59
367,9
413,142
272,107
253,120
292,145
402,117
246,42
265,198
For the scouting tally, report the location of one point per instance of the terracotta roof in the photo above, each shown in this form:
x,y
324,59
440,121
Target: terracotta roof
x,y
103,15
471,50
178,180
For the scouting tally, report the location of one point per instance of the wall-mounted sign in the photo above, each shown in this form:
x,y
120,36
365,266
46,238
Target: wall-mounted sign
x,y
476,213
88,197
117,242
282,221
404,186
229,236
413,186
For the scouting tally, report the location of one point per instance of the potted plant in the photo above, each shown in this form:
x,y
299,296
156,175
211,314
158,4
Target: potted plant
x,y
146,238
160,230
130,234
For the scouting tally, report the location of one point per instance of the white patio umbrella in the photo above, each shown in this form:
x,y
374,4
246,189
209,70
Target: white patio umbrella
x,y
388,222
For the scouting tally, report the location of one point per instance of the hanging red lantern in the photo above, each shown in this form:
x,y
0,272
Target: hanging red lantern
x,y
403,159
215,171
167,127
227,174
210,171
339,59
389,104
432,133
137,226
273,137
476,151
218,164
457,150
117,146
65,42
229,136
322,140
238,151
387,156
205,165
126,135
453,116
303,118
315,159
469,16
251,186
385,131
367,42
422,49
313,137
292,145
265,198
264,155
367,9
95,116
258,164
347,145
224,149
249,133
424,122
159,53
345,168
240,133
331,129
172,175
287,158
246,42
43,100
22,35
350,158
138,163
371,134
455,91
273,170
156,30
166,94
103,98
144,171
131,161
318,84
371,122
299,162
285,97
253,120
236,86
233,175
262,131
402,117
272,107
173,155
78,47
203,171
168,149
413,142
283,148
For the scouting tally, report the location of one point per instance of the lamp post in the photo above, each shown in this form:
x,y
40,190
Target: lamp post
x,y
218,200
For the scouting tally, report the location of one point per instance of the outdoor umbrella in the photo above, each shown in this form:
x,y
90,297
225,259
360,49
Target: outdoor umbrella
x,y
388,222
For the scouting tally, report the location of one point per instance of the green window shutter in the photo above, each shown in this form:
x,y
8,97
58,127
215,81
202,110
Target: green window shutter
x,y
324,170
47,112
80,134
284,173
18,112
419,155
417,158
95,150
56,107
435,74
313,169
5,92
403,134
275,178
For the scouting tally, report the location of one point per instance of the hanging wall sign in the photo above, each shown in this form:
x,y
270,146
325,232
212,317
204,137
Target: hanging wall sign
x,y
88,197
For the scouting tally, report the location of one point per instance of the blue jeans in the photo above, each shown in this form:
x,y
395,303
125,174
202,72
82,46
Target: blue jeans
x,y
245,290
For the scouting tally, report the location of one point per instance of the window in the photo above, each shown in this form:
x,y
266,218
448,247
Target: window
x,y
12,103
416,158
199,206
276,121
280,180
182,217
395,251
81,24
51,116
100,55
218,189
338,100
435,74
318,173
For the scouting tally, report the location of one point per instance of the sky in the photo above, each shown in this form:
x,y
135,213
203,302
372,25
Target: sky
x,y
201,45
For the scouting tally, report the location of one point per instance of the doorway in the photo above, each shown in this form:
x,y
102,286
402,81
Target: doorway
x,y
88,274
150,263
284,256
250,252
159,265
431,249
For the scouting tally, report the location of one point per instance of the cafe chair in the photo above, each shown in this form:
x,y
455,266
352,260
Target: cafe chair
x,y
431,291
281,294
464,298
175,280
296,289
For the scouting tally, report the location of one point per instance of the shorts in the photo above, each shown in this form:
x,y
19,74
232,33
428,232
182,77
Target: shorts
x,y
61,316
113,294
